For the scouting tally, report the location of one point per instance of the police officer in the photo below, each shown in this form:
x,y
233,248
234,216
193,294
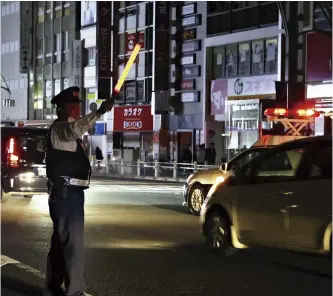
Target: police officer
x,y
68,171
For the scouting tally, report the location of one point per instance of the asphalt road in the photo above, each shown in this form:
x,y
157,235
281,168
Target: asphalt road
x,y
140,241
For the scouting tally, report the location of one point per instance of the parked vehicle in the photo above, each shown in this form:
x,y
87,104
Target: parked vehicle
x,y
23,169
281,199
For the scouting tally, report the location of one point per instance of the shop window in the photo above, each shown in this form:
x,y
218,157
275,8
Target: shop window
x,y
67,10
40,46
149,88
269,13
121,64
271,56
8,103
66,40
121,16
56,86
48,5
258,57
91,56
245,18
149,38
130,91
48,44
40,62
145,63
142,15
40,5
121,43
131,18
215,26
13,8
57,42
65,57
65,83
231,60
58,13
57,58
130,3
244,59
49,15
141,91
41,18
218,61
243,4
218,6
142,65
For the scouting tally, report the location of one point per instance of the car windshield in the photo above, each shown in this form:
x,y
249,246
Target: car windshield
x,y
33,148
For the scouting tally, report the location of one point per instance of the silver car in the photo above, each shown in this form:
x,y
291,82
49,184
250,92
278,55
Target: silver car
x,y
282,199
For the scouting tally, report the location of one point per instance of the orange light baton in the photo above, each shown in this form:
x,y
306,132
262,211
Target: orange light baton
x,y
127,68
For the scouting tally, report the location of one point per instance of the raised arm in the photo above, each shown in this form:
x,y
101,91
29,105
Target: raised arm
x,y
70,131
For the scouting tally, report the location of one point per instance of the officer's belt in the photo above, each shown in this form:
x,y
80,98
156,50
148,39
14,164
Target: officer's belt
x,y
76,182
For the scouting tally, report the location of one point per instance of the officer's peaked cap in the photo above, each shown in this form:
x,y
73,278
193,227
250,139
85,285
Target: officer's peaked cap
x,y
68,95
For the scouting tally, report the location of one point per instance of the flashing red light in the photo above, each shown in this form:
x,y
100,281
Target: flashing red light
x,y
12,159
276,112
307,113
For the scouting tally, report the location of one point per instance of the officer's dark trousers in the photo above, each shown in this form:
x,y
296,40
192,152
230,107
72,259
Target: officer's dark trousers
x,y
65,261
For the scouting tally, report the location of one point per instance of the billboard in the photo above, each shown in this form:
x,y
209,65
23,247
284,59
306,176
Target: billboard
x,y
218,96
318,60
88,13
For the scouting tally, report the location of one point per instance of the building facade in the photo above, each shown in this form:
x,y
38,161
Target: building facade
x,y
135,127
14,84
205,72
55,25
226,63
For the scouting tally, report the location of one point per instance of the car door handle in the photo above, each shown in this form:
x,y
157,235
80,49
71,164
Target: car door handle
x,y
284,193
286,209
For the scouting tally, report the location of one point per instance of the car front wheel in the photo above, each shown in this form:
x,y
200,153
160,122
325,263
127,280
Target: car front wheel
x,y
217,232
196,199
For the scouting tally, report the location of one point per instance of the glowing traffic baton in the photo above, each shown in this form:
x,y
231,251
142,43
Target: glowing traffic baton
x,y
129,64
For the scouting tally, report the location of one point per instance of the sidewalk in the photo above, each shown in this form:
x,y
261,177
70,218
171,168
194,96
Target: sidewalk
x,y
96,176
18,279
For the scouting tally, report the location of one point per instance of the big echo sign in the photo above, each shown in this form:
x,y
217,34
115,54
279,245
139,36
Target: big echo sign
x,y
133,118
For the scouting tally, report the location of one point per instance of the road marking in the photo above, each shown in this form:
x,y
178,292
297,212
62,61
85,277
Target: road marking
x,y
138,188
6,260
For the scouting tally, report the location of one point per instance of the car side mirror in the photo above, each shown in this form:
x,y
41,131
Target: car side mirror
x,y
223,166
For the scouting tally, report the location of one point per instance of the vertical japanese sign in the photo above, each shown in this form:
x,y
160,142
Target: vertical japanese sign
x,y
104,49
77,63
25,36
161,32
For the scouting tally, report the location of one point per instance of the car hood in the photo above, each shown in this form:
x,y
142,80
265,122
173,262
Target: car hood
x,y
207,176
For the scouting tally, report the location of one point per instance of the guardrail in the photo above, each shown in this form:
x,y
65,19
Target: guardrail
x,y
169,171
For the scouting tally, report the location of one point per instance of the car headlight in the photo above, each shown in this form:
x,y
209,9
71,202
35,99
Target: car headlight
x,y
189,178
219,180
